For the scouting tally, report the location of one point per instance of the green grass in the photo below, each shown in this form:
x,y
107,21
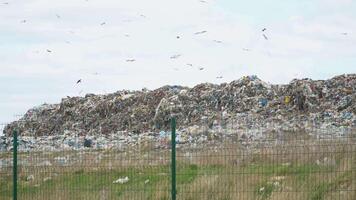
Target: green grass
x,y
300,171
93,182
264,190
320,190
90,183
187,174
215,179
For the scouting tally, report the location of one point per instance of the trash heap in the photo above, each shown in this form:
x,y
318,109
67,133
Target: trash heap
x,y
245,104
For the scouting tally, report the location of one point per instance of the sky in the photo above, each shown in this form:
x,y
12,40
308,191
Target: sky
x,y
47,46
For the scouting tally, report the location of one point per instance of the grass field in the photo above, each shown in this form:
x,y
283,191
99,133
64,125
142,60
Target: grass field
x,y
294,171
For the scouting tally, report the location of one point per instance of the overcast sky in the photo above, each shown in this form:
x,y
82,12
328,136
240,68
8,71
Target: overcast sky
x,y
46,46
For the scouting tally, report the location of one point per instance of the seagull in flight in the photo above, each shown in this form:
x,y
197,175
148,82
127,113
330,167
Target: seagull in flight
x,y
49,51
102,24
201,68
219,77
200,32
175,56
79,81
264,29
266,38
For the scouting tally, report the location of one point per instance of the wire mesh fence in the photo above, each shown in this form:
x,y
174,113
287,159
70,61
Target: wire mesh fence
x,y
223,164
296,169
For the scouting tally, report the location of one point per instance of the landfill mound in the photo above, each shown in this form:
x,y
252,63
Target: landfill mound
x,y
245,103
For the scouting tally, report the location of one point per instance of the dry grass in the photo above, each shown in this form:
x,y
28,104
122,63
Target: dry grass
x,y
293,170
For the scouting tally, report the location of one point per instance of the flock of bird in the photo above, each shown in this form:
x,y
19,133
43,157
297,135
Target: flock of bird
x,y
175,56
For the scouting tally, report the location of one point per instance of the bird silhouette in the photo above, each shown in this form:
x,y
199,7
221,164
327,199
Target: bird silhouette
x,y
79,81
201,68
49,51
266,38
102,24
175,56
130,60
264,29
219,77
200,32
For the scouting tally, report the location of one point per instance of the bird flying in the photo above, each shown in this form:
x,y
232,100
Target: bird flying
x,y
200,32
175,56
266,38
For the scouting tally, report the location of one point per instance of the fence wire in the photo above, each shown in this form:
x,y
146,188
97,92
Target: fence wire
x,y
209,165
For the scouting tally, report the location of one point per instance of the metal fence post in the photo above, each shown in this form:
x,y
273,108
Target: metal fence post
x,y
15,165
173,142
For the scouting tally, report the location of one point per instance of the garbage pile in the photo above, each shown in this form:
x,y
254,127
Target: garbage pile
x,y
248,103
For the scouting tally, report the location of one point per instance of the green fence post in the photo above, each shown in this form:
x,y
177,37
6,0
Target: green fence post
x,y
173,142
15,165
